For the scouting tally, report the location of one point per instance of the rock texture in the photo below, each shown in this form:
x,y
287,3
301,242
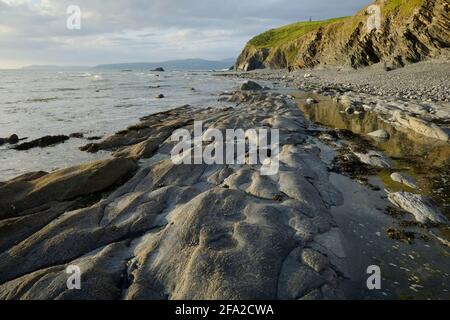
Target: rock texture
x,y
179,231
410,31
423,209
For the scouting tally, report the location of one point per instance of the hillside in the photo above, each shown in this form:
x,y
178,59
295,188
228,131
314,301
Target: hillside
x,y
410,31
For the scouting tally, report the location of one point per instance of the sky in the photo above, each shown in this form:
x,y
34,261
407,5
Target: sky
x,y
35,32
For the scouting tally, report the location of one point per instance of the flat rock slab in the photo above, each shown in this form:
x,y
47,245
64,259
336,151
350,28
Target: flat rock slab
x,y
177,231
423,209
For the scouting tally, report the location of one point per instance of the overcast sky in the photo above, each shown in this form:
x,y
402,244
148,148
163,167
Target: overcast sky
x,y
35,32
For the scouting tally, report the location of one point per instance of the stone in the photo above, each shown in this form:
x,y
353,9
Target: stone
x,y
43,142
13,139
250,86
158,70
77,135
422,127
404,179
379,134
375,159
423,209
311,101
160,96
167,231
62,185
315,260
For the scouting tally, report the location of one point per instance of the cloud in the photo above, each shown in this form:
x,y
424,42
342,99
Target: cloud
x,y
142,30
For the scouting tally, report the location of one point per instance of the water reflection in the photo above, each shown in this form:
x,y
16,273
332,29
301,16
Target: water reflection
x,y
426,159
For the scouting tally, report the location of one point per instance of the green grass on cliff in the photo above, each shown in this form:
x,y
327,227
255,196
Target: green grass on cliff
x,y
404,7
279,36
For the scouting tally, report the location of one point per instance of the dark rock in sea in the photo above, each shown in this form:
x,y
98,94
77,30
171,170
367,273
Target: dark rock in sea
x,y
13,139
158,70
155,87
160,96
2,141
94,138
42,142
250,86
77,135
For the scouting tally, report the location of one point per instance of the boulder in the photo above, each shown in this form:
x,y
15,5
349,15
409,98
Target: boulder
x,y
158,70
404,179
423,209
160,96
250,86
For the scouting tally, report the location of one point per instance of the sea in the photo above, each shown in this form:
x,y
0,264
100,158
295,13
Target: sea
x,y
37,103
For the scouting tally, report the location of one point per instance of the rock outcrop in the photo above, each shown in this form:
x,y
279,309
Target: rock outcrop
x,y
179,231
410,31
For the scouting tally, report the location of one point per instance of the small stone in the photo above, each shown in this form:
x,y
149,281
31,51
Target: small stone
x,y
380,134
311,101
160,96
315,260
250,86
77,135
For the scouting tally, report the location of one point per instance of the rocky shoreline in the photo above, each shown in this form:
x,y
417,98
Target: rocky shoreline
x,y
141,227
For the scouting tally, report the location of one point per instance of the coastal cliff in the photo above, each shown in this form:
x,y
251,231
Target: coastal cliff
x,y
410,31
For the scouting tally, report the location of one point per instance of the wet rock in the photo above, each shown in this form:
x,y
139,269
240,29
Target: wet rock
x,y
93,138
423,209
315,260
160,69
13,139
160,96
422,127
250,86
177,231
311,101
77,135
404,179
42,142
62,185
375,159
379,134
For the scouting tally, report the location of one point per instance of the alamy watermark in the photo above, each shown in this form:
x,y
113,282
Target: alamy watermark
x,y
74,280
237,147
374,280
74,20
